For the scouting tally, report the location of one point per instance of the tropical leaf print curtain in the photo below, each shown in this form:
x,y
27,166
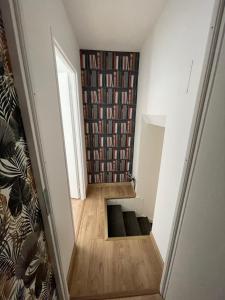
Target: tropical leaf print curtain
x,y
25,267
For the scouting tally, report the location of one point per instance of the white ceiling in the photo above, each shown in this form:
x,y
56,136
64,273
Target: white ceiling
x,y
119,25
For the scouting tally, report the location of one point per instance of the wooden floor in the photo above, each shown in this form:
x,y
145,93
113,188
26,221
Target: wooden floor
x,y
106,269
146,297
77,210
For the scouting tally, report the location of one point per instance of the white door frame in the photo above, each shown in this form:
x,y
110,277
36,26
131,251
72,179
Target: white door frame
x,y
77,128
68,124
73,100
213,43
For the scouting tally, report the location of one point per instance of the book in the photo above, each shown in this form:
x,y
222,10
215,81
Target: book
x,y
109,93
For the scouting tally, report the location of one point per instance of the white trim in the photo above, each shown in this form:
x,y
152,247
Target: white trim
x,y
77,121
54,47
61,126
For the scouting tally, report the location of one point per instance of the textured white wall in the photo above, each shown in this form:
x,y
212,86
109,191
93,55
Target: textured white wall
x,y
178,38
39,18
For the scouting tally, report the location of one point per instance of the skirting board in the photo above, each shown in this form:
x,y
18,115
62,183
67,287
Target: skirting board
x,y
71,267
72,260
157,251
117,295
142,297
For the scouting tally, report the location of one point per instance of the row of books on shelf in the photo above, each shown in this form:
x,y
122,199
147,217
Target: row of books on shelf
x,y
117,79
109,60
115,112
96,141
109,127
108,177
109,96
109,166
109,154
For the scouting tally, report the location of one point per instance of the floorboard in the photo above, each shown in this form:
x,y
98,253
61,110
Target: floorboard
x,y
121,267
77,210
145,297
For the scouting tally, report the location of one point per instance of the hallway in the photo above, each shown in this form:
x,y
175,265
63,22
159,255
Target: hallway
x,y
111,268
112,161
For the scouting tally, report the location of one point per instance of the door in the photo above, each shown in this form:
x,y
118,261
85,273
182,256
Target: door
x,y
66,80
198,269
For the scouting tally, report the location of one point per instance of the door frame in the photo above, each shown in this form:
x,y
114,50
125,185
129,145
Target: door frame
x,y
76,120
212,52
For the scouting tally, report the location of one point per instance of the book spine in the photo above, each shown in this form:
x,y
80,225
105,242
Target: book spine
x,y
109,82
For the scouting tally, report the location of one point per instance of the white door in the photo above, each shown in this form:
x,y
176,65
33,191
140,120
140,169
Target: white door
x,y
198,269
65,78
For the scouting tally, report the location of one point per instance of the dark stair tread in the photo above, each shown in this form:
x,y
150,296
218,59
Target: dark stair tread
x,y
116,227
131,223
145,225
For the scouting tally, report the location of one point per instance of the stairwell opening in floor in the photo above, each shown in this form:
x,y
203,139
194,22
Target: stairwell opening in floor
x,y
125,218
103,267
134,216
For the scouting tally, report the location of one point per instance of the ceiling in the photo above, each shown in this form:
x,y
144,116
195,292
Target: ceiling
x,y
120,25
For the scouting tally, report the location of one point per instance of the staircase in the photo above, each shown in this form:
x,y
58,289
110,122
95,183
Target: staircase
x,y
121,224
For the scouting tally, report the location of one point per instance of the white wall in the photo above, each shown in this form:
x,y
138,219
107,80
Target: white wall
x,y
151,143
198,271
179,37
39,18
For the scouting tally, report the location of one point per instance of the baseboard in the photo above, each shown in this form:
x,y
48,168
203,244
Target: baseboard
x,y
72,259
157,251
71,267
116,295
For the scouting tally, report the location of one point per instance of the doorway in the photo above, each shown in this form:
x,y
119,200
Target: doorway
x,y
68,98
70,119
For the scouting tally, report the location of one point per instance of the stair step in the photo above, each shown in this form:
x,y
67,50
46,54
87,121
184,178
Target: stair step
x,y
145,225
116,227
131,223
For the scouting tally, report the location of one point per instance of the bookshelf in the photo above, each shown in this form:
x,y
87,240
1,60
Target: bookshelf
x,y
109,90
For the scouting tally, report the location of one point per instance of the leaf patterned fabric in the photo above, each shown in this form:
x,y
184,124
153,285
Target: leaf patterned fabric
x,y
25,267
